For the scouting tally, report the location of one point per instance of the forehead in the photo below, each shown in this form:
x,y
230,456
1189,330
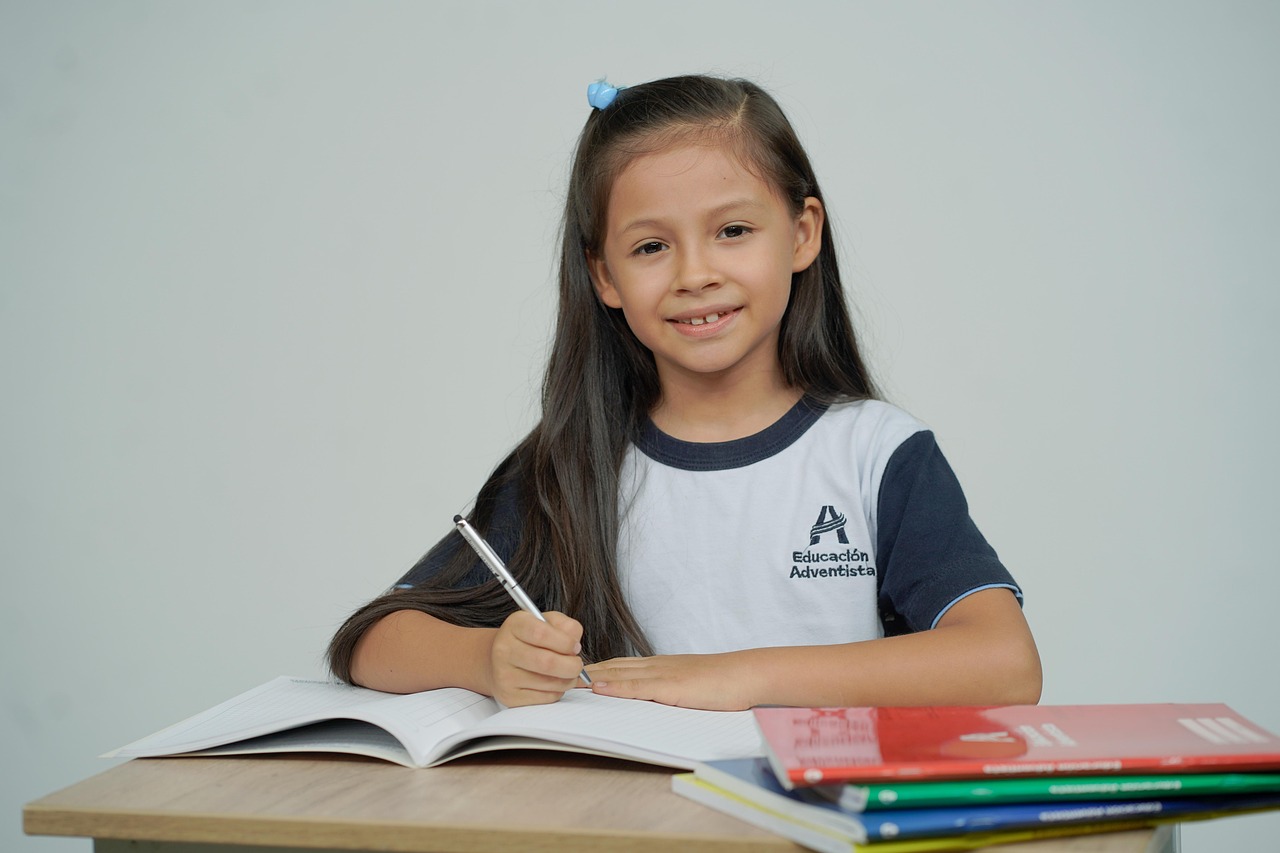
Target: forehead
x,y
684,177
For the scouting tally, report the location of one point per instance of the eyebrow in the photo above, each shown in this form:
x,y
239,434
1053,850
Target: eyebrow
x,y
715,212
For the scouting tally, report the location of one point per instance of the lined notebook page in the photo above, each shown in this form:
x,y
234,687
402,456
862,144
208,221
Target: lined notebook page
x,y
629,727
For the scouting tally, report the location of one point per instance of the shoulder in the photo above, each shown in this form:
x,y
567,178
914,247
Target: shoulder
x,y
873,429
873,416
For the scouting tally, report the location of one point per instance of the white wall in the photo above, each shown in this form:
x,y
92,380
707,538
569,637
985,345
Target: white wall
x,y
275,285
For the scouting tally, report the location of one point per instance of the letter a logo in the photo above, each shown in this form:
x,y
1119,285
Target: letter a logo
x,y
828,520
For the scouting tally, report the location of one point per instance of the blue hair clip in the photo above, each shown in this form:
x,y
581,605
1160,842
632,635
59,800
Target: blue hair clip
x,y
601,94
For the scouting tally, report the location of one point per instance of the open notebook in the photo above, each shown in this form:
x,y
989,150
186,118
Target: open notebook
x,y
425,729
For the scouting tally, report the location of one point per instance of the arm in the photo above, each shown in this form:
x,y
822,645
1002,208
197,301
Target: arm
x,y
396,645
980,653
524,662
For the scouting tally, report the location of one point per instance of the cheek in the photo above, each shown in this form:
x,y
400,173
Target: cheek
x,y
639,285
644,320
643,324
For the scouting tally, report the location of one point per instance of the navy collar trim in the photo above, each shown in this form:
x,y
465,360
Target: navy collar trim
x,y
738,453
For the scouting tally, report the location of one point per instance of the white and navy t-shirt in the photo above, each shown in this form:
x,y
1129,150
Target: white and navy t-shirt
x,y
833,525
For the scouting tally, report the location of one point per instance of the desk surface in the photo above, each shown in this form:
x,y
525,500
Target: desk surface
x,y
520,801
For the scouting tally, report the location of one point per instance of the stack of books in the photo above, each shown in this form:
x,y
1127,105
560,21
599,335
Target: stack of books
x,y
893,780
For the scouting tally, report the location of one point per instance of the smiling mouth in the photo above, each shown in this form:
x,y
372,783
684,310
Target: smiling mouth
x,y
708,318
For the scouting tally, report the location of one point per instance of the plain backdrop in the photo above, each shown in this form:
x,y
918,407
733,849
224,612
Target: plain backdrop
x,y
276,282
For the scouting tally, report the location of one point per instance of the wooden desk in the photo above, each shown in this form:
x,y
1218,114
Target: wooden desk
x,y
521,801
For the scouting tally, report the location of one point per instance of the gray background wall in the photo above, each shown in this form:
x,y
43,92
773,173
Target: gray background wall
x,y
276,280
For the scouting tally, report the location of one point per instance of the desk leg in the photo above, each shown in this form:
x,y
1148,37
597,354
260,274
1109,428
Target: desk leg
x,y
1167,839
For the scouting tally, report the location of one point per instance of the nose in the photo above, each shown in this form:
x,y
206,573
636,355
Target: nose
x,y
696,271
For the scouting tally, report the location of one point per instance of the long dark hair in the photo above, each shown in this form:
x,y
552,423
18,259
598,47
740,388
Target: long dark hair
x,y
601,382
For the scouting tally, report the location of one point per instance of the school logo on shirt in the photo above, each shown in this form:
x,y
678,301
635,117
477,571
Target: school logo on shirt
x,y
846,562
828,520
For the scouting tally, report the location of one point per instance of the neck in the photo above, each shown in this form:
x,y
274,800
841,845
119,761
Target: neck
x,y
706,409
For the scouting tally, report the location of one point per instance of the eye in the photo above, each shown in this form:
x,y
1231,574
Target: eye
x,y
734,231
653,247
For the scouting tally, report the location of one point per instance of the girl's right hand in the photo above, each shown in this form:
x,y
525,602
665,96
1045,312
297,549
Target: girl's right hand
x,y
534,662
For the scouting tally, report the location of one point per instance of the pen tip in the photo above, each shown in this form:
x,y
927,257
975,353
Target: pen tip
x,y
457,518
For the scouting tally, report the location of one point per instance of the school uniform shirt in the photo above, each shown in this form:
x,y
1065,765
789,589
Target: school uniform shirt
x,y
835,524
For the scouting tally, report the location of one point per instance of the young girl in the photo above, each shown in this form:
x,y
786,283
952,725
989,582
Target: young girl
x,y
714,510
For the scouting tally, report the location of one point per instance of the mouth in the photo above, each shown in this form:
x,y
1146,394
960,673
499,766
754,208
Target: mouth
x,y
709,318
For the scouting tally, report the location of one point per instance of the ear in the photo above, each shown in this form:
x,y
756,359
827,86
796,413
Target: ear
x,y
602,281
808,234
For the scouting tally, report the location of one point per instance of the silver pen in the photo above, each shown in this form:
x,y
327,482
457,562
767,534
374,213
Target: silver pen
x,y
508,581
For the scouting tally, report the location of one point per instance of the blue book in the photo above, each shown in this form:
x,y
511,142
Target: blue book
x,y
752,781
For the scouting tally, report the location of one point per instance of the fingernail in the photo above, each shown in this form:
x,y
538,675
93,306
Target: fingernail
x,y
577,648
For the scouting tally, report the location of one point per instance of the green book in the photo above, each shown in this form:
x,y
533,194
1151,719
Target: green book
x,y
967,792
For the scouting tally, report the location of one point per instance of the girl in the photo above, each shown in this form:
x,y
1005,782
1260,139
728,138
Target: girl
x,y
715,509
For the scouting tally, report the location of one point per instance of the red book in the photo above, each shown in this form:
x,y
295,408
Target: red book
x,y
812,746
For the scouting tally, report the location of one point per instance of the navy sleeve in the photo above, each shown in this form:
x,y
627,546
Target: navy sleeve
x,y
929,552
502,534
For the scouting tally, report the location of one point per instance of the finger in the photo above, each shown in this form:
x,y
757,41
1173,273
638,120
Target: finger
x,y
519,679
621,661
630,679
626,689
566,625
516,673
568,628
662,692
619,668
511,651
544,662
561,637
519,697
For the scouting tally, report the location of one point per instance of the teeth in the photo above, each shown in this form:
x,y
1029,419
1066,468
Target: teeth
x,y
698,321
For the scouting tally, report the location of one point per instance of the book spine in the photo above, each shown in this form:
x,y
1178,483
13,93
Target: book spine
x,y
936,793
803,777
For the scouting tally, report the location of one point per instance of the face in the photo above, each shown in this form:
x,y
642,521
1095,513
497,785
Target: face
x,y
698,254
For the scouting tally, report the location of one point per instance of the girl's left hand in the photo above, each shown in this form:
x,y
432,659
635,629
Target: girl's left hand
x,y
709,682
